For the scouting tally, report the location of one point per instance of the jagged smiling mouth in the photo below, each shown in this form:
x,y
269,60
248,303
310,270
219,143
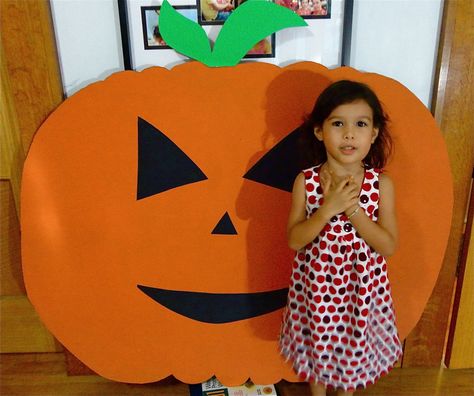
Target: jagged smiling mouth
x,y
218,307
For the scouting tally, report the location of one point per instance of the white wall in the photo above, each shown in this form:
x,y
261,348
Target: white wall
x,y
88,40
398,38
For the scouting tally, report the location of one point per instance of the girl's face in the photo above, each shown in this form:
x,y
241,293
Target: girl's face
x,y
348,132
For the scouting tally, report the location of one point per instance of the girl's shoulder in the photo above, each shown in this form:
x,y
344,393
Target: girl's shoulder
x,y
380,180
376,173
385,181
379,172
310,172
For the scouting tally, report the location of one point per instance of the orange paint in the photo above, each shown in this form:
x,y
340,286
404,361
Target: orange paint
x,y
87,242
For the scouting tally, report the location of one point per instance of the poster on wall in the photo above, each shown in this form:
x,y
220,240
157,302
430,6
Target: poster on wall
x,y
320,41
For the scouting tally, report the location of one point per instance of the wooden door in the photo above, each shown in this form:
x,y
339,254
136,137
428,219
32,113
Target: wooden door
x,y
453,103
460,345
31,89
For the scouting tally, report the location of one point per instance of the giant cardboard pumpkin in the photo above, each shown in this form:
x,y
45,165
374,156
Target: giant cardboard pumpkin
x,y
154,210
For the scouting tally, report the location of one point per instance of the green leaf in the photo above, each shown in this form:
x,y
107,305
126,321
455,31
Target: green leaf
x,y
246,26
184,35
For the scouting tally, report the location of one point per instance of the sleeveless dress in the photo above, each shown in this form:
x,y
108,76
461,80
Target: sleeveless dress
x,y
339,323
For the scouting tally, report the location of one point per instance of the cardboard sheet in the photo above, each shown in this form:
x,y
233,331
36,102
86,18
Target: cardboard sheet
x,y
90,237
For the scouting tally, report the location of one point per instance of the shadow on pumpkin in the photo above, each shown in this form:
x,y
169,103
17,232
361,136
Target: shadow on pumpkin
x,y
289,98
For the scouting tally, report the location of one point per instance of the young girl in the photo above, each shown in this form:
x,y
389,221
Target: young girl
x,y
339,324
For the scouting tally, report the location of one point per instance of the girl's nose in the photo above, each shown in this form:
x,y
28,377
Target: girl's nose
x,y
348,135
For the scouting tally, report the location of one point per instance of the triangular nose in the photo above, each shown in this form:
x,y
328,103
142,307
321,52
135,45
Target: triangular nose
x,y
224,226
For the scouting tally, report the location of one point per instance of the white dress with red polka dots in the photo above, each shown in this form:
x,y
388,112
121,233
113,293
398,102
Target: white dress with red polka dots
x,y
339,323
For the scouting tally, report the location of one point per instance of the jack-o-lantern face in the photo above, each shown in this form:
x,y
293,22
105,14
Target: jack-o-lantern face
x,y
154,209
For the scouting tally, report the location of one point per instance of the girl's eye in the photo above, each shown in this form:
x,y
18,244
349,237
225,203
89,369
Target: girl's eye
x,y
361,124
337,123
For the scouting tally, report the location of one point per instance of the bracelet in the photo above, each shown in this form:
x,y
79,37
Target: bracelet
x,y
353,213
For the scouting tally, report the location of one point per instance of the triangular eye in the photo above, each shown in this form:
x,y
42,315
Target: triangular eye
x,y
279,167
162,165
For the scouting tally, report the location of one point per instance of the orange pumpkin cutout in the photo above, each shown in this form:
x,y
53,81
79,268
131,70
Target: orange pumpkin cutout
x,y
89,244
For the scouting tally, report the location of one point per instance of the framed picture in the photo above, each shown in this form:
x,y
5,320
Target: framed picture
x,y
263,49
151,24
308,9
216,12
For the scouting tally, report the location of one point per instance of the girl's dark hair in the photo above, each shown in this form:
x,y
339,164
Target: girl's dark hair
x,y
336,94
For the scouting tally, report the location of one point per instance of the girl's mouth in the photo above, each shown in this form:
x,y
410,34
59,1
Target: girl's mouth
x,y
347,149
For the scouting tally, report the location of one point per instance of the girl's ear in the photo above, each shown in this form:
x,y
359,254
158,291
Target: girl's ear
x,y
318,133
375,133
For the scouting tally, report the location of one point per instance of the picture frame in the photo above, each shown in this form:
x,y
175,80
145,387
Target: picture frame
x,y
308,9
152,39
263,49
209,14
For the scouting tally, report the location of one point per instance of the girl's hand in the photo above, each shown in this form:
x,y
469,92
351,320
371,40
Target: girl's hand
x,y
338,196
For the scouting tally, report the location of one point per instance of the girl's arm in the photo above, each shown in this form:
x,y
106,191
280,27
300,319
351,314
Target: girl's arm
x,y
302,231
383,234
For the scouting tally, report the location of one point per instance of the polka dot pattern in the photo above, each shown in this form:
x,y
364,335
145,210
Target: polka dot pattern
x,y
339,323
